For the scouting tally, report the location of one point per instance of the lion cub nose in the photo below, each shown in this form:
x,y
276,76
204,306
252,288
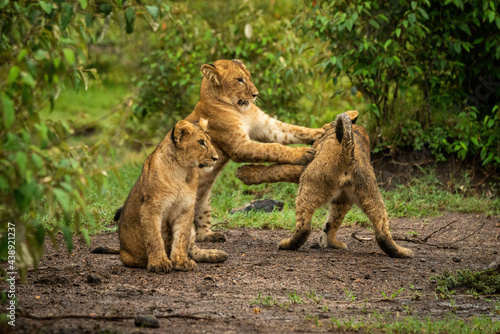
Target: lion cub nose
x,y
215,158
255,94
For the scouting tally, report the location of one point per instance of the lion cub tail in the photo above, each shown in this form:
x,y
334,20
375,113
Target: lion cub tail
x,y
105,250
343,131
207,255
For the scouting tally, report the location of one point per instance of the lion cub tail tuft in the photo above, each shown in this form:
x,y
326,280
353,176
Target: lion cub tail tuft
x,y
105,250
343,131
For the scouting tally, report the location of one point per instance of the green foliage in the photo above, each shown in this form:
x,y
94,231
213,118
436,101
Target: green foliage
x,y
267,301
412,324
425,67
43,46
189,38
295,298
482,282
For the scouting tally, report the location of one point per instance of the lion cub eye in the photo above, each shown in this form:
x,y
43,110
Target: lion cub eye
x,y
202,142
241,80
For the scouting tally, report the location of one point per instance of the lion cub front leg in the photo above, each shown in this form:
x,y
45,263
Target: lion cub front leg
x,y
155,248
181,234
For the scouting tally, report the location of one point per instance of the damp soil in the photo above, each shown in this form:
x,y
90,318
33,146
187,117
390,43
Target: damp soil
x,y
94,293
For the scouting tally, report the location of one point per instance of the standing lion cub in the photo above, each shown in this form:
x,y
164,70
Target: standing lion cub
x,y
340,174
156,223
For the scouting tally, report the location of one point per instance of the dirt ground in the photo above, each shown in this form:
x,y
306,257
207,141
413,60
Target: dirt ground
x,y
217,298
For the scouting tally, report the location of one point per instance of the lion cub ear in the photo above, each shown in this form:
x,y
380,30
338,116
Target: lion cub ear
x,y
182,130
203,123
353,115
211,73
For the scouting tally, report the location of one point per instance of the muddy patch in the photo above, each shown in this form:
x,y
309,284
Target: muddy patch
x,y
261,289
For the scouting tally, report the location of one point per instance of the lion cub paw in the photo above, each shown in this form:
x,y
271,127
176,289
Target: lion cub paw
x,y
287,244
325,243
307,155
403,253
187,265
161,264
212,237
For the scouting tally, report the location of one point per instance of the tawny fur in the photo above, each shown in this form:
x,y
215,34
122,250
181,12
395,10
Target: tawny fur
x,y
156,223
341,175
241,132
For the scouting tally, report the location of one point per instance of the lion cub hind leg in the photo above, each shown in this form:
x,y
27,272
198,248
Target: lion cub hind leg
x,y
205,255
371,203
258,174
131,261
335,217
308,200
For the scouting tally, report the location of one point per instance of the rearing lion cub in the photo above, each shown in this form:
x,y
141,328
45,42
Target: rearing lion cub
x,y
156,221
241,132
340,174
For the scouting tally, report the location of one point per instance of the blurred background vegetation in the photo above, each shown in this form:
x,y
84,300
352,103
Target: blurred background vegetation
x,y
88,88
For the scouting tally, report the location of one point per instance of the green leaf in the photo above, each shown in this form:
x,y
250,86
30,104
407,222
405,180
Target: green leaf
x,y
88,20
387,43
28,79
69,54
8,110
106,8
153,10
129,20
68,237
423,13
66,14
62,198
13,74
398,32
491,16
47,8
83,3
374,24
4,184
412,18
413,5
3,3
21,160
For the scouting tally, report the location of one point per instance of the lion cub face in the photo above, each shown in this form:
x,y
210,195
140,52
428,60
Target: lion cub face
x,y
232,81
194,144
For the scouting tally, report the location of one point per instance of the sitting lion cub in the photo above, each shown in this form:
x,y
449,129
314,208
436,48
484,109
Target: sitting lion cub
x,y
340,174
156,223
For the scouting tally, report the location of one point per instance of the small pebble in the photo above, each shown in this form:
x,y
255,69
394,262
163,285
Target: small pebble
x,y
383,270
456,259
146,321
367,276
208,278
423,260
93,279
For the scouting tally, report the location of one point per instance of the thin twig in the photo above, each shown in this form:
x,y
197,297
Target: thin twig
x,y
424,240
468,236
441,228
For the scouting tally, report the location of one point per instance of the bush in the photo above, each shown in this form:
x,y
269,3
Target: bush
x,y
421,65
189,38
43,46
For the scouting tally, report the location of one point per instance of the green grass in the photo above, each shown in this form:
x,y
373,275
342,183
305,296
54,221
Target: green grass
x,y
422,197
411,324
